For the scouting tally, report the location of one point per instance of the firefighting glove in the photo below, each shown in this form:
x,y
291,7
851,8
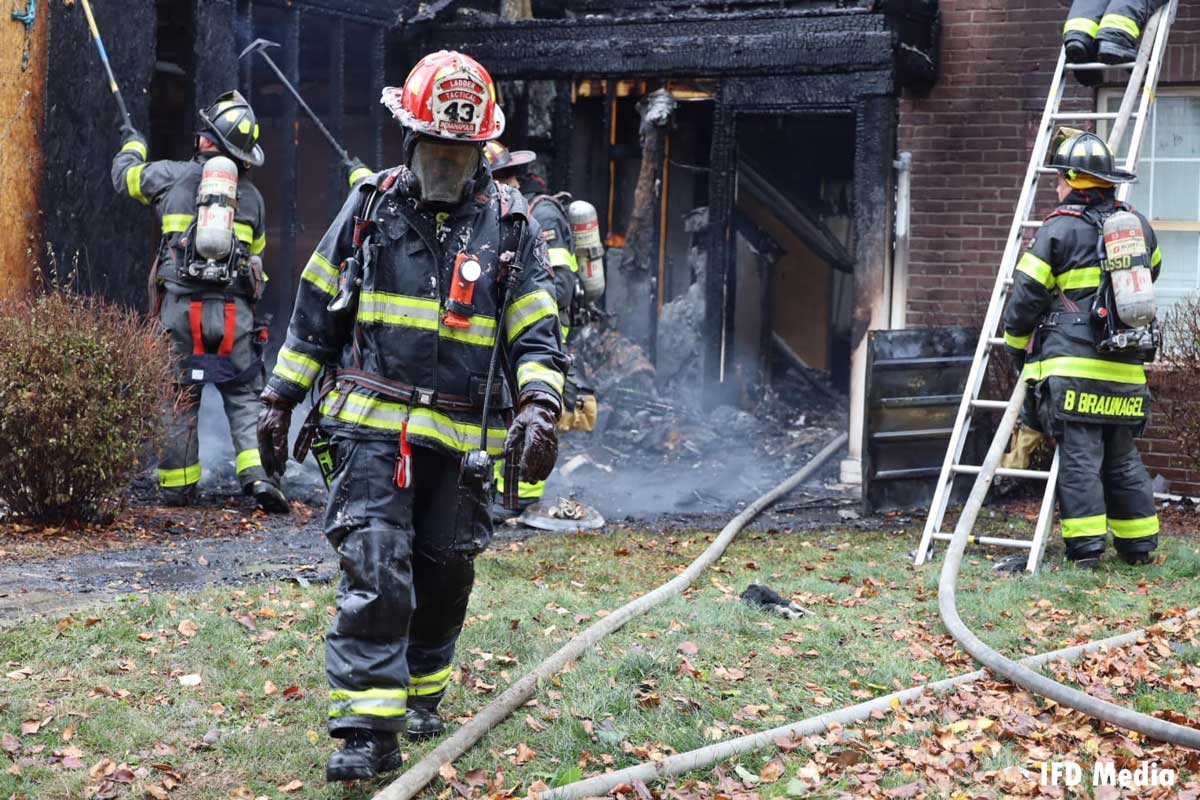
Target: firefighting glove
x,y
1016,357
532,438
130,134
273,423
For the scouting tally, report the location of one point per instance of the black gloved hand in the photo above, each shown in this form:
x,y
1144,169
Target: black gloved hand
x,y
130,134
533,438
1016,357
273,423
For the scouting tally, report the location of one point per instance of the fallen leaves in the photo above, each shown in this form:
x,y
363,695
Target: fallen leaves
x,y
188,628
291,786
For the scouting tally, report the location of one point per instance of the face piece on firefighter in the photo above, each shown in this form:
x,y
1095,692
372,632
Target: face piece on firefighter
x,y
444,170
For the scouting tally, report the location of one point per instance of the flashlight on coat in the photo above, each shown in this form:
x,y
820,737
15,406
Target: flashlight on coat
x,y
462,291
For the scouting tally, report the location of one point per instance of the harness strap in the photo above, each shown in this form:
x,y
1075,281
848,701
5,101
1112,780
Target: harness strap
x,y
226,347
403,392
196,318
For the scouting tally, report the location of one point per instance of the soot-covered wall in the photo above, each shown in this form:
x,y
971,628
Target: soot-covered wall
x,y
108,243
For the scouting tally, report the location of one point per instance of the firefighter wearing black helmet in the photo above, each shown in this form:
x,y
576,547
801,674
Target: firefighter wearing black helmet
x,y
1094,404
210,317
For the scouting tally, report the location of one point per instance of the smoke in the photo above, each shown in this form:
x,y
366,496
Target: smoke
x,y
219,460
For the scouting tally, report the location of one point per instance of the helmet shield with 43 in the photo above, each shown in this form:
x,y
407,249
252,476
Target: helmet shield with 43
x,y
231,120
448,95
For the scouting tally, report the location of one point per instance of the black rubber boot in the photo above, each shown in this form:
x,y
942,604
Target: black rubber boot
x,y
1089,564
1137,559
179,497
365,755
1115,53
269,496
1080,50
423,723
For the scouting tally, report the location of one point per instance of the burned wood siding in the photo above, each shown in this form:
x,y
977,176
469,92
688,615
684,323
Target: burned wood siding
x,y
111,237
22,94
215,49
713,45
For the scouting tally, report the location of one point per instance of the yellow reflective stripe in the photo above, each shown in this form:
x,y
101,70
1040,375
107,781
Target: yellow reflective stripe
x,y
481,332
174,478
134,146
562,257
358,175
248,459
1079,278
1086,368
368,702
1156,257
422,422
320,273
1084,526
296,367
441,676
1121,23
1037,269
133,183
176,223
527,310
532,371
1134,528
1018,342
1082,25
425,685
398,309
566,331
259,244
244,232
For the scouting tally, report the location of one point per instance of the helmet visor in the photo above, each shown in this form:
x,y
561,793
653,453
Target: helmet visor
x,y
444,168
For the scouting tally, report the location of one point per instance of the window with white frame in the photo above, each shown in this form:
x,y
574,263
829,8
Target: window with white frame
x,y
1168,187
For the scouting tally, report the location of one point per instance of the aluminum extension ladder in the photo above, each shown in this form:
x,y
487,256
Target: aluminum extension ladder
x,y
1139,92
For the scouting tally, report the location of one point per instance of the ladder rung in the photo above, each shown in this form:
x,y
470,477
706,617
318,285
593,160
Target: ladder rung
x,y
1086,115
1031,223
1093,66
1047,171
1008,282
996,405
1020,544
1003,472
995,341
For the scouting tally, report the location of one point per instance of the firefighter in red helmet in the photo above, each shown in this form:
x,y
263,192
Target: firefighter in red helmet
x,y
406,312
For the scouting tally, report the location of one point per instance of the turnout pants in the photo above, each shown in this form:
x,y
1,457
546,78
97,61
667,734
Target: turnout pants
x,y
222,326
1119,22
407,561
1103,484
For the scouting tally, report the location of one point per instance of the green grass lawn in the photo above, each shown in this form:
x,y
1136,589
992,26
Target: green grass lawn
x,y
107,704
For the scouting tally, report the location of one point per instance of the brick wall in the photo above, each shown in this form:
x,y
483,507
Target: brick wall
x,y
971,138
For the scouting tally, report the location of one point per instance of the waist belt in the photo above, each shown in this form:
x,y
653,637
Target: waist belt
x,y
398,392
1058,318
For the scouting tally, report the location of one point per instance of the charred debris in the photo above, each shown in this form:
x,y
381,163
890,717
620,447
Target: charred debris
x,y
740,155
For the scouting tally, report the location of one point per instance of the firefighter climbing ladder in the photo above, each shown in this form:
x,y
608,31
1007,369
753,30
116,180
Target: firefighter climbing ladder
x,y
1139,93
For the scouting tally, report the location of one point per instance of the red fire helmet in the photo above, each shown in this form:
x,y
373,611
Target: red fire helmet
x,y
448,95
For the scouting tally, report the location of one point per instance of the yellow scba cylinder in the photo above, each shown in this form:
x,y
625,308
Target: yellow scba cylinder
x,y
589,250
216,200
1129,269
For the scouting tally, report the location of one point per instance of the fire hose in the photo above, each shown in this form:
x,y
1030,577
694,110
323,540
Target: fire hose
x,y
815,726
420,774
1011,670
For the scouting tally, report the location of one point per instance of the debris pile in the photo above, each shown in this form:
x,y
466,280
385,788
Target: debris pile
x,y
659,448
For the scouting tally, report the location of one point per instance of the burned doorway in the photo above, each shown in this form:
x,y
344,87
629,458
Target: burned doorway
x,y
790,301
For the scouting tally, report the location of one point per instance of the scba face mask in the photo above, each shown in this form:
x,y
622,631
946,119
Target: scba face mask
x,y
444,170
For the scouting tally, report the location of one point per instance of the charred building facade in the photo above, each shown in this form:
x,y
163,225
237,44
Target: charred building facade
x,y
741,153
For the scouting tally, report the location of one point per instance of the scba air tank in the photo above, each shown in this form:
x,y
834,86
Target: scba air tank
x,y
589,251
216,202
1129,270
